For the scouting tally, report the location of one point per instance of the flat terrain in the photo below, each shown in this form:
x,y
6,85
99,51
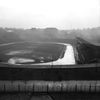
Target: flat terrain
x,y
38,52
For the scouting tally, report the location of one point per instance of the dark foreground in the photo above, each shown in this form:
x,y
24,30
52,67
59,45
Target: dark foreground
x,y
51,96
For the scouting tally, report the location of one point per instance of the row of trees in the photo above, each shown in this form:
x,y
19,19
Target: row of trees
x,y
34,34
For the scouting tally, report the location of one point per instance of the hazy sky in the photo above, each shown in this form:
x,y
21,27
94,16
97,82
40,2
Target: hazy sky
x,y
62,14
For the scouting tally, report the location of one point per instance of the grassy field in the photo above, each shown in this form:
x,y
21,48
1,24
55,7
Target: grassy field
x,y
48,52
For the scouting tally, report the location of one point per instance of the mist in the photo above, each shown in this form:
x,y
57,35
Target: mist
x,y
49,35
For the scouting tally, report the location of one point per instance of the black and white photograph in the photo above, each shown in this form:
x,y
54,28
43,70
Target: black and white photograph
x,y
49,49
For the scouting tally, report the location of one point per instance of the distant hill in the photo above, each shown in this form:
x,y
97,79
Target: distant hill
x,y
7,36
49,34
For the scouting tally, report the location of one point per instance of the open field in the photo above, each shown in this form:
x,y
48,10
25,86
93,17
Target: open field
x,y
29,50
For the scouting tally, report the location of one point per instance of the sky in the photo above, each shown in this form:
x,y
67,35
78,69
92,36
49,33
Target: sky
x,y
61,14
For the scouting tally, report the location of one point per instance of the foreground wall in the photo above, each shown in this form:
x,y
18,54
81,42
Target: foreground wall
x,y
50,78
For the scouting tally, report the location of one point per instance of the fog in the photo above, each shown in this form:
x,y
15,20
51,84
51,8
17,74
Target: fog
x,y
62,14
49,34
49,20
